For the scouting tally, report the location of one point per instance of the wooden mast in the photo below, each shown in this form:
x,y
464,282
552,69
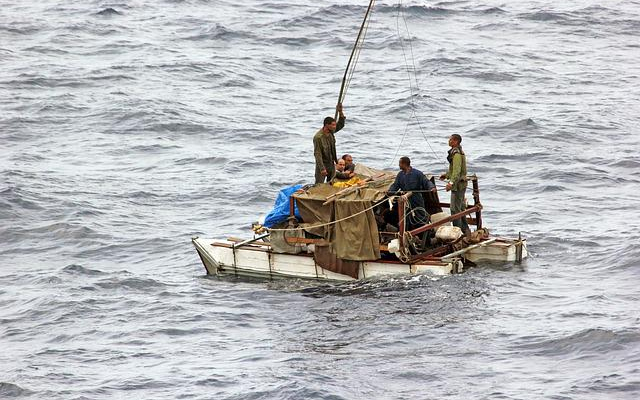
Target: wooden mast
x,y
353,52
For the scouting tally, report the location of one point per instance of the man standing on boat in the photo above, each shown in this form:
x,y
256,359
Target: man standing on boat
x,y
457,176
412,179
324,147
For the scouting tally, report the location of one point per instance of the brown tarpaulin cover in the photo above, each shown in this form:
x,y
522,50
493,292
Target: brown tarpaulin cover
x,y
311,209
328,260
355,238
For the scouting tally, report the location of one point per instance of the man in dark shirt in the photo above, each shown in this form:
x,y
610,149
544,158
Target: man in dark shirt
x,y
410,179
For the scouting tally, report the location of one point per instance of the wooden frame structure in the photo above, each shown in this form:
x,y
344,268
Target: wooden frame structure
x,y
403,200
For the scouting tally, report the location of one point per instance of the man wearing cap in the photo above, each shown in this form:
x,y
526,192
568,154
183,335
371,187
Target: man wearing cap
x,y
457,184
324,147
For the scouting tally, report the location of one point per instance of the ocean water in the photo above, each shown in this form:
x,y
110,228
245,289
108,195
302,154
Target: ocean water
x,y
128,127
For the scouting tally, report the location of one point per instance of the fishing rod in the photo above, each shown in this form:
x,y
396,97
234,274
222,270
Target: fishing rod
x,y
353,52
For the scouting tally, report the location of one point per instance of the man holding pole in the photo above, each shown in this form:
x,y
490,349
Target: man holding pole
x,y
457,184
324,147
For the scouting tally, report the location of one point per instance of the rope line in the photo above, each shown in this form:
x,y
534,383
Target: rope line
x,y
406,128
407,208
412,78
359,45
415,74
414,86
333,222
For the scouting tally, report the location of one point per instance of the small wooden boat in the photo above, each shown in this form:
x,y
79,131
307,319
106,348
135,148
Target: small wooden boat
x,y
325,244
257,260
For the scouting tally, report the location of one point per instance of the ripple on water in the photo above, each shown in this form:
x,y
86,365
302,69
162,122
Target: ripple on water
x,y
11,390
132,283
109,12
585,343
76,269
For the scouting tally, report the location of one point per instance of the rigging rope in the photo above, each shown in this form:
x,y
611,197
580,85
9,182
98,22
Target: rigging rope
x,y
415,78
355,52
357,56
409,212
336,221
411,71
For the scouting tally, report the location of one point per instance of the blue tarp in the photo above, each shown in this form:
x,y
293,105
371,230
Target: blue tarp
x,y
280,211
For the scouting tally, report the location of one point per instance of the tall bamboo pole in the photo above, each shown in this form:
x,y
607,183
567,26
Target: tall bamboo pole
x,y
353,51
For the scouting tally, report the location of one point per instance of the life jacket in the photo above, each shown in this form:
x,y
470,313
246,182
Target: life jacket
x,y
462,183
453,151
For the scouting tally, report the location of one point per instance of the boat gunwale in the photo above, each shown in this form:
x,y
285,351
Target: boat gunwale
x,y
436,261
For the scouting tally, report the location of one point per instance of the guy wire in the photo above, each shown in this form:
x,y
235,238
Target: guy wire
x,y
359,46
411,79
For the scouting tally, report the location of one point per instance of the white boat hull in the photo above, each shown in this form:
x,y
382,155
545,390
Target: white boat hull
x,y
498,251
251,260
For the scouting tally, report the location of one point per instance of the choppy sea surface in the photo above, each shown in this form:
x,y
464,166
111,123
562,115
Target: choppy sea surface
x,y
128,127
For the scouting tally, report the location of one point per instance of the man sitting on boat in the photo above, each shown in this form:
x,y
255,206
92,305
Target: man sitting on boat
x,y
348,163
342,173
345,178
324,147
411,179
